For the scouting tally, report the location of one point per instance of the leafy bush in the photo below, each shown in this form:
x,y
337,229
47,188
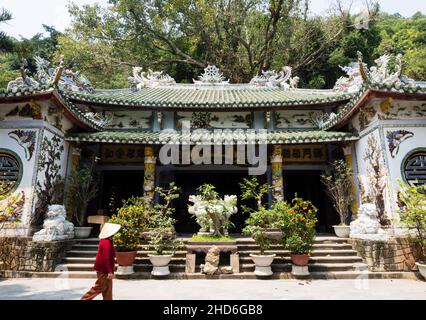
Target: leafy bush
x,y
82,188
413,213
133,218
161,222
298,225
257,223
339,185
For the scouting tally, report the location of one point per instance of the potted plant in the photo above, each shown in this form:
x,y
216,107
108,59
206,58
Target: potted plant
x,y
211,212
132,217
339,185
256,224
299,230
82,189
413,214
161,235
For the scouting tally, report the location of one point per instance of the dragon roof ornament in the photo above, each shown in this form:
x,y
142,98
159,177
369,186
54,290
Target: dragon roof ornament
x,y
64,78
211,76
358,74
150,78
271,78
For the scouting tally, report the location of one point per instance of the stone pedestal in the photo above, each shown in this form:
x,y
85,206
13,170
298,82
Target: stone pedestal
x,y
190,263
125,271
160,271
263,271
235,262
300,271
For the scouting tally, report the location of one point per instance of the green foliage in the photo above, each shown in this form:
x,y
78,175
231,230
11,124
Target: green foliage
x,y
339,185
134,219
252,189
413,213
211,238
161,222
260,221
8,211
82,187
242,37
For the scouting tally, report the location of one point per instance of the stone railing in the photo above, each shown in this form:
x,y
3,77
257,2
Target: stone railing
x,y
23,254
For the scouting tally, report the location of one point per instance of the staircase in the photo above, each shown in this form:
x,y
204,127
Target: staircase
x,y
332,258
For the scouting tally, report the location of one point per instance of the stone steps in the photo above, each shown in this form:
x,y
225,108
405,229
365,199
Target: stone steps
x,y
335,275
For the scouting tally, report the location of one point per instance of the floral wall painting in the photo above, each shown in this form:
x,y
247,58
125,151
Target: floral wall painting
x,y
296,118
221,120
26,139
395,138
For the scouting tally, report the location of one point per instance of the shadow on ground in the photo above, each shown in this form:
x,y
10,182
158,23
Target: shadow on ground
x,y
24,292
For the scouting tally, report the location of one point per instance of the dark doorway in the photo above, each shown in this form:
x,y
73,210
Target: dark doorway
x,y
118,186
307,185
226,183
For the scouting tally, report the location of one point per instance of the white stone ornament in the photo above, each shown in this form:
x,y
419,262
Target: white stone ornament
x,y
55,226
271,78
211,76
367,225
150,79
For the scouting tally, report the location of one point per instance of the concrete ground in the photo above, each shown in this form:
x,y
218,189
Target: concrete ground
x,y
71,289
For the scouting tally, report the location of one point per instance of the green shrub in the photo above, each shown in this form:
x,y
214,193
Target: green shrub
x,y
298,225
413,213
133,218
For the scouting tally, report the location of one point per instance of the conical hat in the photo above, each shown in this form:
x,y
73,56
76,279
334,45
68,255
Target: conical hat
x,y
109,230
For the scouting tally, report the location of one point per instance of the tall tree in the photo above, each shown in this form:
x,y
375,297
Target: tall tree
x,y
6,44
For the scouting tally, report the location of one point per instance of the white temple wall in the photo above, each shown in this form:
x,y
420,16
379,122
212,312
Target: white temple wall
x,y
22,130
399,127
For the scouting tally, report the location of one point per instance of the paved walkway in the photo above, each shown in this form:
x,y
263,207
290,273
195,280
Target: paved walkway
x,y
70,289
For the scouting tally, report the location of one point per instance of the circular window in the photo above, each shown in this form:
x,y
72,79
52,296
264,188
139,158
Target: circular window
x,y
10,172
414,167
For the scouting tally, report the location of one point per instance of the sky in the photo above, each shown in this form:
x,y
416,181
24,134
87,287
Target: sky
x,y
30,15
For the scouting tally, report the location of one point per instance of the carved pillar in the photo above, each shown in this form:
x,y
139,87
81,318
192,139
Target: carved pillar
x,y
277,173
347,151
75,157
149,174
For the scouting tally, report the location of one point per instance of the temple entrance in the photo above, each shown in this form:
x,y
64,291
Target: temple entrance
x,y
307,185
118,186
226,183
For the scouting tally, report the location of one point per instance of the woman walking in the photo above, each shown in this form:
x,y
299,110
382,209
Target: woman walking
x,y
104,264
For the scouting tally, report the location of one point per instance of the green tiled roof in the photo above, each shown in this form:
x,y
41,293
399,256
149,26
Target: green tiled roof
x,y
227,137
192,96
351,104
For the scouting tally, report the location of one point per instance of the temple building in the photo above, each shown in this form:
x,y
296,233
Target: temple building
x,y
158,131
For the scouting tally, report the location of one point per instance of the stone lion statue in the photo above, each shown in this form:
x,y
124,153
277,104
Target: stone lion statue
x,y
55,226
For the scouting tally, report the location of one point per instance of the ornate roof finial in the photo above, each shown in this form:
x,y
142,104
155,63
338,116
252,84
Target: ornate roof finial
x,y
150,79
211,76
361,67
59,71
271,78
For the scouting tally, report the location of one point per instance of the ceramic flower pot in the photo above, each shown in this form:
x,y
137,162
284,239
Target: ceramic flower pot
x,y
160,264
342,231
125,261
125,258
263,264
299,259
422,268
82,232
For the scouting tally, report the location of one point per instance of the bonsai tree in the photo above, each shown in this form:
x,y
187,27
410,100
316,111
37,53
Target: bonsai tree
x,y
299,226
211,211
339,185
161,222
257,223
82,188
133,218
413,214
252,189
